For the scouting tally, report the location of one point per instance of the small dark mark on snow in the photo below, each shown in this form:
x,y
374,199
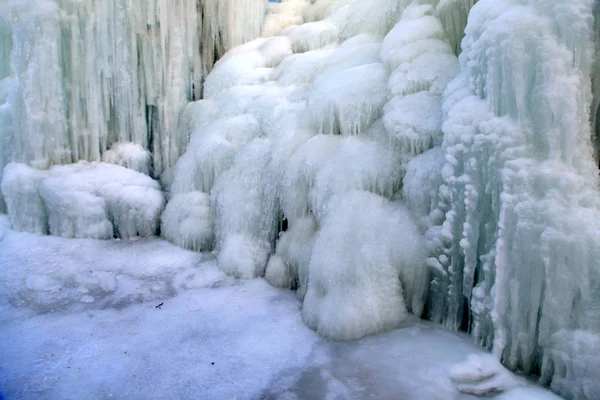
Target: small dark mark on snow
x,y
212,363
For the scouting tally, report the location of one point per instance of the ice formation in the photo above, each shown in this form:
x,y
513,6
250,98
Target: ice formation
x,y
299,154
114,71
94,200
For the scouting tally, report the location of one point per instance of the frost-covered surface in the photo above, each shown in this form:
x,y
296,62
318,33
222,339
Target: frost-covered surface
x,y
78,319
95,200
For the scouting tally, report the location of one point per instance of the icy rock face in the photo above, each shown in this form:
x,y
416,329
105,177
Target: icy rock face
x,y
93,200
516,259
112,71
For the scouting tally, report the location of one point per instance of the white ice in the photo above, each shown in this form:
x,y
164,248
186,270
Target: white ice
x,y
95,200
430,156
79,319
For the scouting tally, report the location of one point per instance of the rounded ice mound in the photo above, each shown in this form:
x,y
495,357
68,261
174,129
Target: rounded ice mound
x,y
359,163
211,151
292,255
95,200
349,101
244,200
129,155
414,122
243,256
482,374
367,268
188,221
416,33
278,273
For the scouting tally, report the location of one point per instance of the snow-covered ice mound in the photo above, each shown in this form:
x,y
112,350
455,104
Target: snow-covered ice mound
x,y
94,200
363,267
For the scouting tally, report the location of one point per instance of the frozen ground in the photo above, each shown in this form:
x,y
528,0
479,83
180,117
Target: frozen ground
x,y
78,320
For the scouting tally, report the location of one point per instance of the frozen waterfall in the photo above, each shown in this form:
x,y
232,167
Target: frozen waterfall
x,y
378,157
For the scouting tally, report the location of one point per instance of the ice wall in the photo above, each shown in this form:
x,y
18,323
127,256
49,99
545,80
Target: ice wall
x,y
517,253
115,71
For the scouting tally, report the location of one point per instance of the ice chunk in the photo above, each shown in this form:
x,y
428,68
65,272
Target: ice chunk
x,y
74,209
366,268
188,221
242,256
482,374
278,273
82,200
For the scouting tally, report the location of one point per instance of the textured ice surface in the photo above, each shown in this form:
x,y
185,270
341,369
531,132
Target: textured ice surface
x,y
188,222
95,200
79,319
490,151
516,257
129,155
362,268
112,72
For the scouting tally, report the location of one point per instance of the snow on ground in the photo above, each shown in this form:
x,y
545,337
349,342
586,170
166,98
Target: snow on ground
x,y
79,320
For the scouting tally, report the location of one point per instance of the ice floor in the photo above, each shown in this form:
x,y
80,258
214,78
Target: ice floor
x,y
79,319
